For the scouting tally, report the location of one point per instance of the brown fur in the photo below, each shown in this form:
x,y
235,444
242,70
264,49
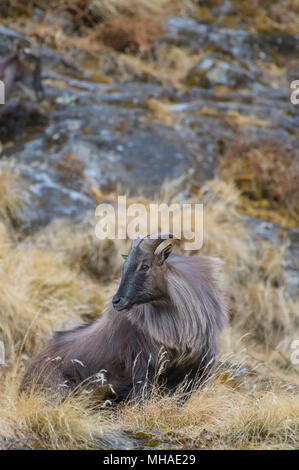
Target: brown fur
x,y
24,68
122,351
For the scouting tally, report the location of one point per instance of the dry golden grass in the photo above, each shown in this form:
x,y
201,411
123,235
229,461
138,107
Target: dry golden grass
x,y
62,275
80,249
132,25
10,193
269,421
258,15
220,416
39,292
37,422
267,175
94,11
112,8
265,16
168,65
115,37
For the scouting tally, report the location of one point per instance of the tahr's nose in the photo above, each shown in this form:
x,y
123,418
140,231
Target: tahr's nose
x,y
116,300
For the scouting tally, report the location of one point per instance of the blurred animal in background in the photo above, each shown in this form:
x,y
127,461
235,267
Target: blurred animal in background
x,y
21,75
161,327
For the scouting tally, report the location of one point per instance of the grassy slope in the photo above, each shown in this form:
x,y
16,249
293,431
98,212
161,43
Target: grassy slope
x,y
48,282
56,279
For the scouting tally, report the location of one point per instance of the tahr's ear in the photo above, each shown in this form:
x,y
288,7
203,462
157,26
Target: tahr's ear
x,y
163,251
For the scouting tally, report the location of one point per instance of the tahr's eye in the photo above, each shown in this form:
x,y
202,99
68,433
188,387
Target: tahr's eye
x,y
145,267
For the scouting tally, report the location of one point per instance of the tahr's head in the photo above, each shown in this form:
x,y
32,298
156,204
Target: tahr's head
x,y
143,279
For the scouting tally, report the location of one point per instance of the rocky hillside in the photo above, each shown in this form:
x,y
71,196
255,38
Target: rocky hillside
x,y
162,100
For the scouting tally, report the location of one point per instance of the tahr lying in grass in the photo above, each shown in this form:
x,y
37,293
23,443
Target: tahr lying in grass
x,y
162,325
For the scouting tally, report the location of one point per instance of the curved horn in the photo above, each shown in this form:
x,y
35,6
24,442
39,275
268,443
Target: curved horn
x,y
152,241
